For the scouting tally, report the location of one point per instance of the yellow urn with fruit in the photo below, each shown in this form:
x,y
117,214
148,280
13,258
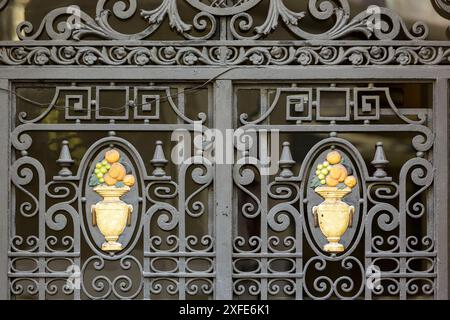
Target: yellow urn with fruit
x,y
111,181
333,216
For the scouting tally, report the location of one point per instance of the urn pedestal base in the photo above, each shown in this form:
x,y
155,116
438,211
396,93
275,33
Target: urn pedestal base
x,y
333,216
333,246
112,245
111,215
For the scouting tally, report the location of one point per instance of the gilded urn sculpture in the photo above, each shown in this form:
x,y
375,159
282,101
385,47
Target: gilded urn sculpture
x,y
111,181
333,216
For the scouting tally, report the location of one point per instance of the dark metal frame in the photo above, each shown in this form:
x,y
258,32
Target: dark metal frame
x,y
261,61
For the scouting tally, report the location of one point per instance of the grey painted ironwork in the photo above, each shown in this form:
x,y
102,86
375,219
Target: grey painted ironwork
x,y
165,254
219,54
442,7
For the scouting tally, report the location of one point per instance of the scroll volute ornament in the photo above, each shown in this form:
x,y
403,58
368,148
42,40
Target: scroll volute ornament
x,y
333,182
111,181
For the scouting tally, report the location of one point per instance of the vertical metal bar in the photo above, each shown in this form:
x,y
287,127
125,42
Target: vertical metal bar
x,y
264,232
4,187
440,156
223,186
264,203
182,227
211,205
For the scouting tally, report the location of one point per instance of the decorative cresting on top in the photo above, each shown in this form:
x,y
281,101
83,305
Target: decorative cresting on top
x,y
375,22
223,7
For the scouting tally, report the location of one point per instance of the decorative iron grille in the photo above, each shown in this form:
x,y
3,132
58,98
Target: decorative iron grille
x,y
367,86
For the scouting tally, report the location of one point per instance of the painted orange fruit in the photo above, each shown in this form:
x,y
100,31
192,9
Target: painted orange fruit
x,y
339,172
117,171
110,181
129,180
334,157
350,181
331,182
112,156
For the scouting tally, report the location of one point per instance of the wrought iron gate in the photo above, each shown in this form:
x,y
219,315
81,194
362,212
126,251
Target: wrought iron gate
x,y
224,230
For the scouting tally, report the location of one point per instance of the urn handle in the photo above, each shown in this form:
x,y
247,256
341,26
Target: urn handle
x,y
130,210
350,217
316,218
94,215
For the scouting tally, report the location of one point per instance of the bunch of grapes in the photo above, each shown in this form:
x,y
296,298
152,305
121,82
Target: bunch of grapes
x,y
322,172
101,168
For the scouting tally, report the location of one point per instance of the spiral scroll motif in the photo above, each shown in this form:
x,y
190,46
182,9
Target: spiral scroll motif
x,y
78,24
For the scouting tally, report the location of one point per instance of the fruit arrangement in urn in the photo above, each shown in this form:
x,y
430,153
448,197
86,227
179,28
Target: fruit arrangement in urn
x,y
333,181
111,180
111,172
334,172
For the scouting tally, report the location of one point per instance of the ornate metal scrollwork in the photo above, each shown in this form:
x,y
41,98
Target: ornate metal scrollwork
x,y
327,54
169,247
82,25
382,254
442,7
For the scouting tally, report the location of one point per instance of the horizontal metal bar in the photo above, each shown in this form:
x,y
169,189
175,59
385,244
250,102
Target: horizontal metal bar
x,y
40,274
405,275
267,255
214,43
169,127
338,127
407,111
44,254
243,73
277,275
180,254
179,275
417,254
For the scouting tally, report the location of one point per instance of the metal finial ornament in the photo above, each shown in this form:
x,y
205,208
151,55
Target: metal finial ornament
x,y
159,160
65,160
379,161
286,162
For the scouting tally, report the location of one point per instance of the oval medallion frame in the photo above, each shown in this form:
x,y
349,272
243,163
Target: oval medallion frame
x,y
357,198
88,197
